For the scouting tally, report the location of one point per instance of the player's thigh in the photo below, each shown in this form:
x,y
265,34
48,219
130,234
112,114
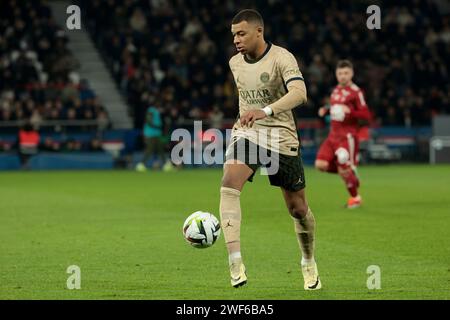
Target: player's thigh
x,y
322,165
356,153
290,174
346,150
150,144
160,145
241,163
235,174
325,155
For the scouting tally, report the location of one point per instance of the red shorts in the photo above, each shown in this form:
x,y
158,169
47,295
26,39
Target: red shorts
x,y
339,150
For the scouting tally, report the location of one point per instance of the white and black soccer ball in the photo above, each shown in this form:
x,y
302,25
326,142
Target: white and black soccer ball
x,y
201,229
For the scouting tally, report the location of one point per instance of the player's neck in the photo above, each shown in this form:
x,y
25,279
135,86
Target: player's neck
x,y
258,52
348,84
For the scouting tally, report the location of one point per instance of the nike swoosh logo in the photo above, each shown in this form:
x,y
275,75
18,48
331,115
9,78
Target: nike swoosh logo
x,y
239,278
315,285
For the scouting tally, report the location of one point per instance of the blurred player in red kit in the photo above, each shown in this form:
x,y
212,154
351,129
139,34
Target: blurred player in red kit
x,y
348,110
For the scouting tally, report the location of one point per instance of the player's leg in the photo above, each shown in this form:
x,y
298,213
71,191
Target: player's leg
x,y
24,160
148,152
355,160
291,178
235,174
345,157
160,151
304,226
166,162
326,166
325,158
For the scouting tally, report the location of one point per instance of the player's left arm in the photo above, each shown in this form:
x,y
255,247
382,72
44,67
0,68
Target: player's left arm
x,y
296,95
361,110
294,82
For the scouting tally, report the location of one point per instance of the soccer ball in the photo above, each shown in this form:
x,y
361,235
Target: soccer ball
x,y
201,229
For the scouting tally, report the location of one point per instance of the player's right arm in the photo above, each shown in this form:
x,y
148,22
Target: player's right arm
x,y
230,64
323,111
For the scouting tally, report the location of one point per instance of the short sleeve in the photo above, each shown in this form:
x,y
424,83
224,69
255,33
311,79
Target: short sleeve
x,y
360,100
289,67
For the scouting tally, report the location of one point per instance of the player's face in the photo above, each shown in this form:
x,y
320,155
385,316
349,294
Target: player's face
x,y
344,75
245,36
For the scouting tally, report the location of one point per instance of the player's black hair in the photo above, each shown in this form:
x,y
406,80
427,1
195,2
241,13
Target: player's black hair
x,y
344,64
248,15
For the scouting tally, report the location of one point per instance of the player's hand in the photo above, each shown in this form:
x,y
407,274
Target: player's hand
x,y
249,117
346,109
323,111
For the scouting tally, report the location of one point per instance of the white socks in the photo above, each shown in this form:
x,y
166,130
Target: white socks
x,y
307,261
234,256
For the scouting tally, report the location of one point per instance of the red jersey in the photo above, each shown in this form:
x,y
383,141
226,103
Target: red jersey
x,y
343,123
28,138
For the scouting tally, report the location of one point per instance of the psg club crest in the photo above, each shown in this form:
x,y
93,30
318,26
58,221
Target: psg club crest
x,y
264,77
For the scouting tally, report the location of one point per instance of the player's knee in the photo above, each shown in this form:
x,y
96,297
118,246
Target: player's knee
x,y
321,165
230,182
344,171
342,155
298,210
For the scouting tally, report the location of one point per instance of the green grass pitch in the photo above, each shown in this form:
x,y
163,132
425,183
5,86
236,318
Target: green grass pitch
x,y
123,229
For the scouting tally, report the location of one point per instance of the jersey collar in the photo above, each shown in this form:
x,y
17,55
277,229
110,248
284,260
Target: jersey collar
x,y
269,45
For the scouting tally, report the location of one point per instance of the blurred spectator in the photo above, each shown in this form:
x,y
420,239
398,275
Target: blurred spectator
x,y
155,140
216,117
95,145
102,120
153,133
138,21
72,145
28,141
50,145
190,42
181,50
36,119
38,73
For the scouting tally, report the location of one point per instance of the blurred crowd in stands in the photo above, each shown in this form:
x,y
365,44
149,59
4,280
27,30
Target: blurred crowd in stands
x,y
178,52
50,144
174,53
38,74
